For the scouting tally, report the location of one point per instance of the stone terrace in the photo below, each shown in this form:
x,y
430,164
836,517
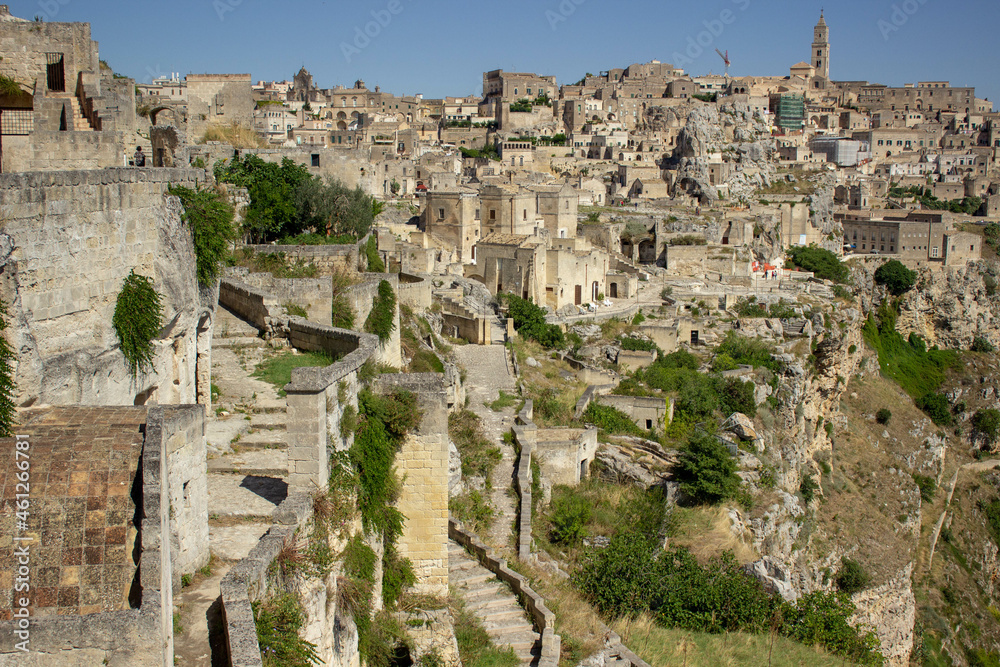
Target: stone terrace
x,y
82,512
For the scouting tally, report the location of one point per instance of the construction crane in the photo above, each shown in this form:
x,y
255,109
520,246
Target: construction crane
x,y
725,59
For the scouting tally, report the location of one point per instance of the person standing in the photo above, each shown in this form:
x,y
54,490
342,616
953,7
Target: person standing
x,y
140,157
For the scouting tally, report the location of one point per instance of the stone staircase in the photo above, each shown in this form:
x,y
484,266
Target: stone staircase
x,y
248,467
494,604
75,121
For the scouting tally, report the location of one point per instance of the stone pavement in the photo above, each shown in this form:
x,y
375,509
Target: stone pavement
x,y
489,372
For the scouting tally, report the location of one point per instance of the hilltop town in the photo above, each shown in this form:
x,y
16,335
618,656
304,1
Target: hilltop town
x,y
645,368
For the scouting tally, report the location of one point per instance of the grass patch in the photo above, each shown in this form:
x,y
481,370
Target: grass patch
x,y
475,647
277,370
504,401
918,371
667,646
479,455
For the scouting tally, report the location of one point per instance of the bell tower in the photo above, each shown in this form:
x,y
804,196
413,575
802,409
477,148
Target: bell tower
x,y
821,49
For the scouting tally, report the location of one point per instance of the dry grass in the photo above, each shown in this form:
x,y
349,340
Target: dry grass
x,y
234,134
705,531
665,646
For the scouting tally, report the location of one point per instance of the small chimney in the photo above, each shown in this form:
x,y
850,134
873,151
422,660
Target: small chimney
x,y
4,10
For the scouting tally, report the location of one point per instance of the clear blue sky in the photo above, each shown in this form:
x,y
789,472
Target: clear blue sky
x,y
442,47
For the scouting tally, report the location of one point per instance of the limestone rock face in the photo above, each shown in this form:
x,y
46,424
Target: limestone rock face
x,y
455,486
733,134
773,576
890,610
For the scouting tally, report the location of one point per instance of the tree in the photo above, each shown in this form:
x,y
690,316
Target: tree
x,y
529,321
851,577
822,262
706,471
896,277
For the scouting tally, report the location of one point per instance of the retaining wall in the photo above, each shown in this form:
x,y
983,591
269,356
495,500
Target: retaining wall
x,y
525,436
328,259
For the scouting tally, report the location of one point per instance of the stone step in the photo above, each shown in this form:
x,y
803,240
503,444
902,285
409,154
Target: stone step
x,y
270,406
499,617
258,463
244,496
508,625
274,421
238,341
264,439
483,591
482,605
468,577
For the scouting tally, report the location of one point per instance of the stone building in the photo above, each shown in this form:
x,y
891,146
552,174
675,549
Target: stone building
x,y
218,100
920,236
72,113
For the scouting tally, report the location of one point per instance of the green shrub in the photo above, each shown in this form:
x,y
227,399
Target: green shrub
x,y
918,371
808,488
896,277
927,487
851,577
529,321
987,423
570,514
137,322
479,455
278,622
883,416
375,263
209,216
706,471
637,344
8,388
823,263
737,395
295,310
611,419
382,318
748,351
991,511
981,344
936,407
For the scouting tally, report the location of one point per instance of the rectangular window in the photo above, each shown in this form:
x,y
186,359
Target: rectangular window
x,y
493,214
315,159
440,214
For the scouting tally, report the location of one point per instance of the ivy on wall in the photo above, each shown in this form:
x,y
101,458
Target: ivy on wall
x,y
209,215
137,322
375,263
7,386
382,318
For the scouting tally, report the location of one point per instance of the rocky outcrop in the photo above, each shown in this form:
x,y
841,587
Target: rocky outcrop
x,y
890,611
730,133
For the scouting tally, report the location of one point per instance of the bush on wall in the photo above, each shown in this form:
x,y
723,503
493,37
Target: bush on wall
x,y
137,322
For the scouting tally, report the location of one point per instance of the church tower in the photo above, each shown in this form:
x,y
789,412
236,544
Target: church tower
x,y
821,49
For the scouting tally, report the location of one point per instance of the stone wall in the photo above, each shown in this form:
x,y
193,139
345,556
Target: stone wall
x,y
142,636
187,472
361,297
525,435
328,259
415,292
351,167
218,99
423,463
69,239
646,411
253,305
313,294
564,455
46,150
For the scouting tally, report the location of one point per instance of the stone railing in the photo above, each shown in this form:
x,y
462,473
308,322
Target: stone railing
x,y
248,581
542,617
415,291
253,305
588,396
525,437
